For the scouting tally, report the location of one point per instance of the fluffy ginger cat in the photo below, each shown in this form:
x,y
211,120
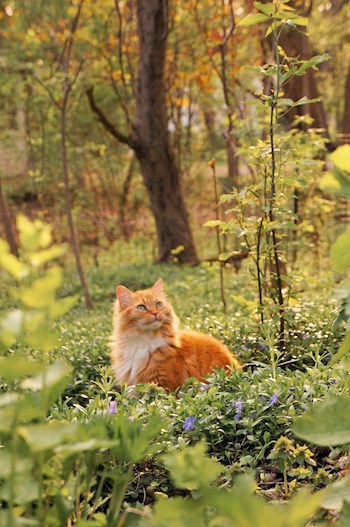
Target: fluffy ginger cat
x,y
147,345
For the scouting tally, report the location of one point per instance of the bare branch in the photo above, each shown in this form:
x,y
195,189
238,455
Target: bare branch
x,y
126,139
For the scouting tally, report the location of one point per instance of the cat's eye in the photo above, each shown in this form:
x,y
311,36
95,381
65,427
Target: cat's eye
x,y
141,307
159,304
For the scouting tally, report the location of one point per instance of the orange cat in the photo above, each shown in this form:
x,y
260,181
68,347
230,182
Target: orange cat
x,y
147,345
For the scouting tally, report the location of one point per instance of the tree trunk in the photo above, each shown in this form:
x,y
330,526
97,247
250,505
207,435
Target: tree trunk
x,y
150,139
6,221
152,146
346,118
296,44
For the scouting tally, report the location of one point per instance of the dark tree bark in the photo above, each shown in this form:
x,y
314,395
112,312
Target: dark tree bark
x,y
346,117
149,138
6,221
160,173
296,44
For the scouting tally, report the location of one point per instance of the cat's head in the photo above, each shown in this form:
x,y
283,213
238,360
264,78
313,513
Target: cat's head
x,y
145,310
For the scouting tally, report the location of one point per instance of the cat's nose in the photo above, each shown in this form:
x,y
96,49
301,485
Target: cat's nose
x,y
155,313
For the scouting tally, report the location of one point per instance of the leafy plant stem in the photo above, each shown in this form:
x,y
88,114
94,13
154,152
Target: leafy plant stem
x,y
258,270
118,497
97,495
218,240
10,522
89,460
271,213
285,480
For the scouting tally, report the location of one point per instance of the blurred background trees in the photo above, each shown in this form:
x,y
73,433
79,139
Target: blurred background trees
x,y
161,88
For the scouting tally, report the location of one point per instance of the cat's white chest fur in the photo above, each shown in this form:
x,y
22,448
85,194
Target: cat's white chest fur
x,y
130,352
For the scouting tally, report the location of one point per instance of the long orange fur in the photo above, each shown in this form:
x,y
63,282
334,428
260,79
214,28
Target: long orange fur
x,y
147,345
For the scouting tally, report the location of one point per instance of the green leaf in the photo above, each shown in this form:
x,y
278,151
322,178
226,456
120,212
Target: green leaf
x,y
343,350
92,444
16,521
329,182
42,338
61,306
10,263
14,367
272,27
191,469
47,436
240,507
345,514
252,19
18,465
23,489
267,9
337,494
134,440
311,63
52,381
175,513
340,252
214,223
341,157
18,408
344,181
285,102
33,235
327,423
10,328
305,100
285,76
298,20
41,292
41,257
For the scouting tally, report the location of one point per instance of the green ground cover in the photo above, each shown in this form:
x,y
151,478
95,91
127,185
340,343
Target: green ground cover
x,y
244,419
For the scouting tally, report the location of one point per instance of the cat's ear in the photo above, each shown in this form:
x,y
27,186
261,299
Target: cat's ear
x,y
158,286
124,296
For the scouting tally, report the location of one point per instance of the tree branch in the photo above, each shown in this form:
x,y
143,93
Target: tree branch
x,y
126,139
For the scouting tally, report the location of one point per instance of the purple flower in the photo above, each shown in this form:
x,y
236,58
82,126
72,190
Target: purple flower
x,y
237,416
205,387
262,347
273,399
131,418
239,405
189,423
112,407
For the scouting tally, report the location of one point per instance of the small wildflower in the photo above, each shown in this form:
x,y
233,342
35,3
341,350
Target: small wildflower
x,y
237,416
131,418
239,404
262,347
112,407
205,387
189,423
273,399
